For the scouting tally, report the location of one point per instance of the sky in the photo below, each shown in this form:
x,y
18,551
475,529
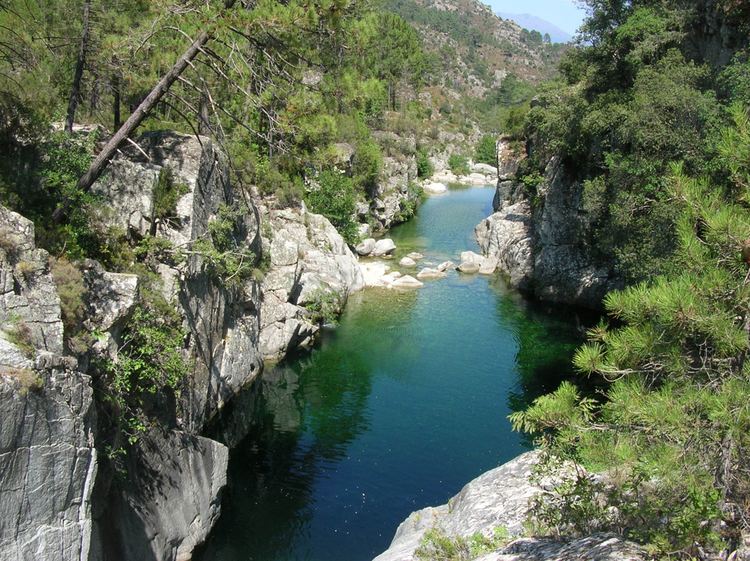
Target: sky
x,y
563,13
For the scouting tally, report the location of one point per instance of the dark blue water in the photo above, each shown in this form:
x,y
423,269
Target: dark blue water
x,y
399,407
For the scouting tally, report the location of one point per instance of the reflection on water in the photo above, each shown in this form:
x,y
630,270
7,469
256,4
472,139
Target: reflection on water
x,y
395,410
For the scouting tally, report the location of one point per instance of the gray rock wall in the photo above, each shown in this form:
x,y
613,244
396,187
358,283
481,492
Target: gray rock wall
x,y
539,240
174,481
48,465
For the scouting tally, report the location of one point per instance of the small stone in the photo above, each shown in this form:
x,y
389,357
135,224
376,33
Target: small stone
x,y
428,273
407,281
416,256
446,266
407,262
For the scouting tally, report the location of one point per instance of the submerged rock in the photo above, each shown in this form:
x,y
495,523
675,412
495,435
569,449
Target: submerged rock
x,y
415,255
407,262
406,281
446,266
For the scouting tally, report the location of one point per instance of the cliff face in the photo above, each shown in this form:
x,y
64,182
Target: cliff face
x,y
48,462
537,239
62,502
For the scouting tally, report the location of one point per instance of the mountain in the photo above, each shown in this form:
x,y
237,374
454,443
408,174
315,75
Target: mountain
x,y
474,49
535,23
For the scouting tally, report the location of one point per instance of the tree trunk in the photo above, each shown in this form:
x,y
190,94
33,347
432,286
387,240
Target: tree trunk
x,y
75,90
204,124
135,119
116,102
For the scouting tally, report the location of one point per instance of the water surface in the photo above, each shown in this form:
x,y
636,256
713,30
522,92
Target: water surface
x,y
399,407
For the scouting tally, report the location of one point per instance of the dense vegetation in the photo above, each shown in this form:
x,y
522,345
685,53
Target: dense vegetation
x,y
652,117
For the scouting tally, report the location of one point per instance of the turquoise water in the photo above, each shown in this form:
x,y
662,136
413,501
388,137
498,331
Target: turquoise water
x,y
399,407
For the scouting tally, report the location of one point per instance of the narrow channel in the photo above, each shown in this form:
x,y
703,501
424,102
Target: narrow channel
x,y
396,409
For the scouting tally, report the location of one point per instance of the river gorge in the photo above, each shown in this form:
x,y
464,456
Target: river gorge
x,y
395,409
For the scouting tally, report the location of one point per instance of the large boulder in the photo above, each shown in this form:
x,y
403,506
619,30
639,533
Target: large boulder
x,y
310,263
170,501
383,247
500,499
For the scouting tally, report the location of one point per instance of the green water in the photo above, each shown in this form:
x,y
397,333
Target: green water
x,y
399,407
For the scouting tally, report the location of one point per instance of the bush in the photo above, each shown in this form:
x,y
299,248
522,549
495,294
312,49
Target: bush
x,y
486,151
368,162
333,197
69,282
425,168
458,164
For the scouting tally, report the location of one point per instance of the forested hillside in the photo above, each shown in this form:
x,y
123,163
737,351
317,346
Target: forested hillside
x,y
651,119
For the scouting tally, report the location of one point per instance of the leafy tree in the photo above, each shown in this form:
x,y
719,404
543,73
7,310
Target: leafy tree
x,y
674,427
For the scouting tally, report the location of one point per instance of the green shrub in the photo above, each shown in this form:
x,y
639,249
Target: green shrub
x,y
367,165
167,192
437,546
70,287
486,151
425,168
333,197
458,164
324,307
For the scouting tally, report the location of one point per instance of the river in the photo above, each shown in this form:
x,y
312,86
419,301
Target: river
x,y
396,409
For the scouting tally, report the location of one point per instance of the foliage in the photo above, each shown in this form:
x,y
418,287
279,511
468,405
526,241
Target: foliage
x,y
458,164
333,197
70,287
19,334
223,250
437,546
167,192
324,307
672,432
486,150
150,360
28,380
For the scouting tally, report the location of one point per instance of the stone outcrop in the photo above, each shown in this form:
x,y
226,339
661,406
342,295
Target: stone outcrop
x,y
311,264
29,304
175,480
223,320
500,499
393,195
538,241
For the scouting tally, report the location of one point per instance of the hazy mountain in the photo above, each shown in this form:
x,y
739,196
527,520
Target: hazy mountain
x,y
476,49
542,26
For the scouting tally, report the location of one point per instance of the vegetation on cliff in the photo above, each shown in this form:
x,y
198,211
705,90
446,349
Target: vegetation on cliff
x,y
653,118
